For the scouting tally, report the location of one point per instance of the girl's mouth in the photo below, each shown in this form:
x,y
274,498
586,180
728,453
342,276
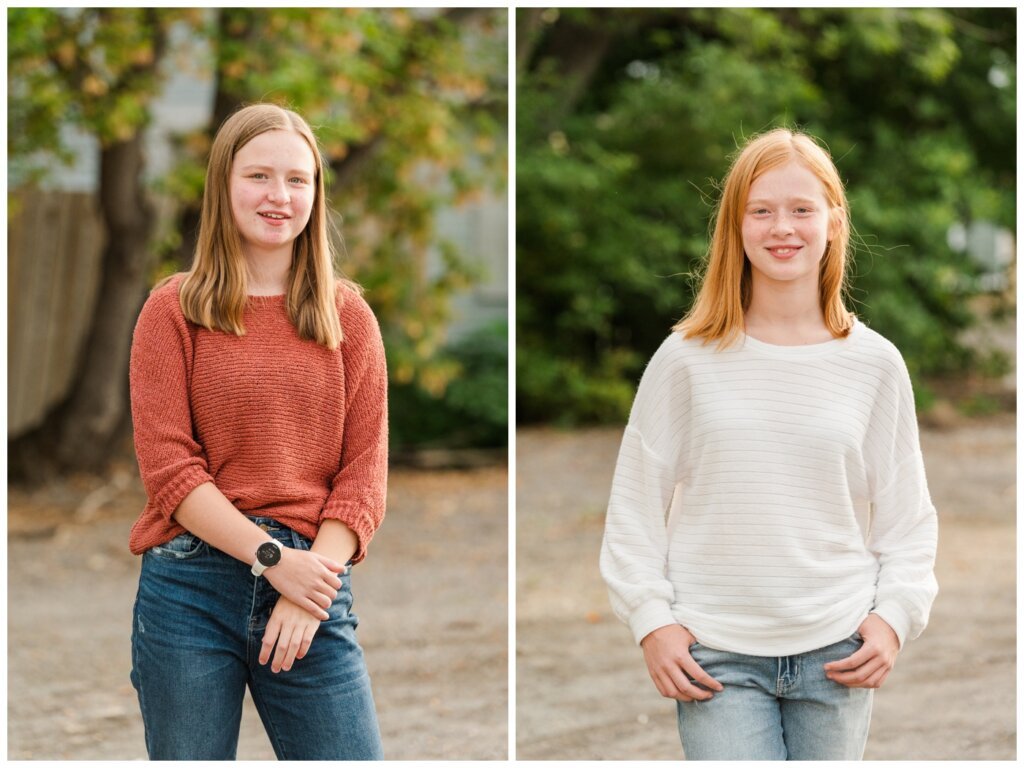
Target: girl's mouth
x,y
273,219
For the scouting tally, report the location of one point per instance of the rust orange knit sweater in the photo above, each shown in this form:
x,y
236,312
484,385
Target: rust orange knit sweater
x,y
283,427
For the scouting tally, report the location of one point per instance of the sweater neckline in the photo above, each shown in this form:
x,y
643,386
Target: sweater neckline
x,y
267,300
802,350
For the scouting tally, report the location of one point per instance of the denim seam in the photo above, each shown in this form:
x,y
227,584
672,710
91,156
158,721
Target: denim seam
x,y
787,681
249,623
250,646
268,722
135,667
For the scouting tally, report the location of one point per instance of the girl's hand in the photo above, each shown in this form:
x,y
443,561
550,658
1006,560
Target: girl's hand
x,y
291,628
868,666
308,579
667,653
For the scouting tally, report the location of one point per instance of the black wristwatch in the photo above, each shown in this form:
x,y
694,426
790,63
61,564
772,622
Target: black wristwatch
x,y
268,554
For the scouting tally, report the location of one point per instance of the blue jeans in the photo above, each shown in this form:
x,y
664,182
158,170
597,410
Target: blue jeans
x,y
776,708
198,624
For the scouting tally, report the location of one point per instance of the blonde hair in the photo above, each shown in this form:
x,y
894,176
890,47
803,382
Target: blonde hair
x,y
213,292
717,312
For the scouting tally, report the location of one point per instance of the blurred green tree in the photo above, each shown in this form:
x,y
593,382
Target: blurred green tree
x,y
411,112
626,119
97,69
410,107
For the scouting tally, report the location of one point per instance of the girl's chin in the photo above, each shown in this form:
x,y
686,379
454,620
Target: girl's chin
x,y
785,272
264,244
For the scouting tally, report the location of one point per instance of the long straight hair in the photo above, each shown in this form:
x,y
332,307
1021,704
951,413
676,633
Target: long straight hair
x,y
717,312
213,292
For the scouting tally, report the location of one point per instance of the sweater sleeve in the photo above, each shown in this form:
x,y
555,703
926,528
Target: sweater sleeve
x,y
904,526
171,462
634,551
359,489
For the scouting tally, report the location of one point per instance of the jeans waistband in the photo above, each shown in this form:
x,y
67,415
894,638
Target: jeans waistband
x,y
268,523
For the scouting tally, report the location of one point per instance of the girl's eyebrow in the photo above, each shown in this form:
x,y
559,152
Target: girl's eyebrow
x,y
798,199
252,167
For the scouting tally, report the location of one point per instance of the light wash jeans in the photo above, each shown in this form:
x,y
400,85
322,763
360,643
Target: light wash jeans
x,y
776,708
198,624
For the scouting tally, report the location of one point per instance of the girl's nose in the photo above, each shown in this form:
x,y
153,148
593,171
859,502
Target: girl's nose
x,y
278,193
781,224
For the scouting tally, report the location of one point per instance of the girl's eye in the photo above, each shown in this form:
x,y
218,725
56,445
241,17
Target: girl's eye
x,y
259,175
803,210
298,180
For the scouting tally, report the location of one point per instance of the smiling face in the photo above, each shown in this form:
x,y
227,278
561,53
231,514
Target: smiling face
x,y
786,226
272,189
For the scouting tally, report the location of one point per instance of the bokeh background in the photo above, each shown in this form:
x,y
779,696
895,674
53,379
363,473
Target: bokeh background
x,y
111,113
626,122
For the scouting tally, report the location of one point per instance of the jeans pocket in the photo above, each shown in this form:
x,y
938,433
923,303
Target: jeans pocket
x,y
181,547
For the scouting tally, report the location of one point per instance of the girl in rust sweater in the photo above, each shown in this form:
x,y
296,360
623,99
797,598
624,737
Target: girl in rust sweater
x,y
259,402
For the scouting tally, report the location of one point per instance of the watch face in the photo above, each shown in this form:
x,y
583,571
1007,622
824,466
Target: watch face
x,y
268,554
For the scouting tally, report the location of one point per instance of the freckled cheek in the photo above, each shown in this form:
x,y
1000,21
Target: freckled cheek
x,y
244,204
752,233
814,234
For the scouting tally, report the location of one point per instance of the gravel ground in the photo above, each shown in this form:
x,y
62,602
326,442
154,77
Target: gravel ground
x,y
582,687
432,603
432,600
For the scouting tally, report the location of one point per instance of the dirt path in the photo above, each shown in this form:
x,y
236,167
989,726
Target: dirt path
x,y
583,689
431,597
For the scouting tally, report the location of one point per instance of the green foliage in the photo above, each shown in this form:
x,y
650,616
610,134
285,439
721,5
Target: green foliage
x,y
416,101
471,408
615,189
410,107
95,68
980,405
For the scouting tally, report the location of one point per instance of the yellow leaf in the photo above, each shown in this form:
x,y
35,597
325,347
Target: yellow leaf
x,y
143,56
66,53
94,86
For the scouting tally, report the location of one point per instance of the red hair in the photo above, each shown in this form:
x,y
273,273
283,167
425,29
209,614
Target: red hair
x,y
717,313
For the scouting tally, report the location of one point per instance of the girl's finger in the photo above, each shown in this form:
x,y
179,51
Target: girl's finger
x,y
685,688
307,640
294,643
282,649
269,638
316,610
694,670
854,660
857,677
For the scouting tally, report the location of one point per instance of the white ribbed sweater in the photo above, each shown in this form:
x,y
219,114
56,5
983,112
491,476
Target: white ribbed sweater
x,y
769,497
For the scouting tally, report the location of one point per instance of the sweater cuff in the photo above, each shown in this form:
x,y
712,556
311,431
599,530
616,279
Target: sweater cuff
x,y
650,616
356,516
172,494
891,613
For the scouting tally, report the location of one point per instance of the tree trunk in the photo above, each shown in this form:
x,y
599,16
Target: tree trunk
x,y
81,433
96,409
529,24
578,50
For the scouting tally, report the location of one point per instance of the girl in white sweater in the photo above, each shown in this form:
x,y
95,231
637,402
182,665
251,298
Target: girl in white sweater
x,y
770,539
